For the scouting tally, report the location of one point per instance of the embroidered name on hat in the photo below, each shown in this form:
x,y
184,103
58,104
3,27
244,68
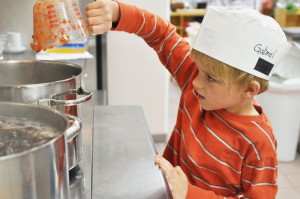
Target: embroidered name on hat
x,y
263,66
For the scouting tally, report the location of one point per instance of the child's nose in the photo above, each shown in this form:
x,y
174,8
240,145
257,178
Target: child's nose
x,y
197,83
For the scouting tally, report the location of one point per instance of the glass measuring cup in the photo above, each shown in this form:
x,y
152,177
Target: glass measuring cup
x,y
57,22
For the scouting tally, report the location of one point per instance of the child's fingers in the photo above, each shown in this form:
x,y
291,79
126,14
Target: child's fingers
x,y
165,165
95,5
93,13
99,29
156,159
98,17
92,21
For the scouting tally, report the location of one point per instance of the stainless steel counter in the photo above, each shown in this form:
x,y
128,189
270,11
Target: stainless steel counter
x,y
118,154
83,188
123,156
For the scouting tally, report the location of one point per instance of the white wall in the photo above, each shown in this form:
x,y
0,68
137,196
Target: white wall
x,y
16,16
135,75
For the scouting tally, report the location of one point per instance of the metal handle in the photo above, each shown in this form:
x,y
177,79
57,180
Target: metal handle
x,y
53,102
74,128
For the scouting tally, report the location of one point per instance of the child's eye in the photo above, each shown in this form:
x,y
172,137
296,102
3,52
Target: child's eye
x,y
209,78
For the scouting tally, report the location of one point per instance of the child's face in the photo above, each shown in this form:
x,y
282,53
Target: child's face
x,y
216,93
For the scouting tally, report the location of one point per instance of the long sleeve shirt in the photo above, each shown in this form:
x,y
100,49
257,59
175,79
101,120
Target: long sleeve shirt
x,y
223,155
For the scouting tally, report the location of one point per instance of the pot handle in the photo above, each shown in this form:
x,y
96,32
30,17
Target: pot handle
x,y
74,128
54,102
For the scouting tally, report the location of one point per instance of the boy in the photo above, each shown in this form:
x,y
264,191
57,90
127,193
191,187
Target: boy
x,y
222,145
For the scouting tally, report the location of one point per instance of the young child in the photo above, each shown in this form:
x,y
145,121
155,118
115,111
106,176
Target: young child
x,y
222,145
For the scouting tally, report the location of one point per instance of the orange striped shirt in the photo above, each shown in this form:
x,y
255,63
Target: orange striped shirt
x,y
224,155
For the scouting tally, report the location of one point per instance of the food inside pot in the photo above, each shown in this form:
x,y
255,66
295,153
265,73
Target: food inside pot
x,y
20,134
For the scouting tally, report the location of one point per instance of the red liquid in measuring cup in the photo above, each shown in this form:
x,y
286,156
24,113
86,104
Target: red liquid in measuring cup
x,y
55,22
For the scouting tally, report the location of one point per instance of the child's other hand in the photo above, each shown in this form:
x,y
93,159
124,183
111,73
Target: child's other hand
x,y
176,178
100,14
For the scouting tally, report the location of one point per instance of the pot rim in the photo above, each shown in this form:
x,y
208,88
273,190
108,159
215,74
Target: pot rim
x,y
40,147
40,84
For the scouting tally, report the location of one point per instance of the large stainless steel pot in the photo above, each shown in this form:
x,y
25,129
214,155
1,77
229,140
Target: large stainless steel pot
x,y
42,171
49,83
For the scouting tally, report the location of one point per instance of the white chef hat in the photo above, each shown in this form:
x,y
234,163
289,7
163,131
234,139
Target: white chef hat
x,y
244,39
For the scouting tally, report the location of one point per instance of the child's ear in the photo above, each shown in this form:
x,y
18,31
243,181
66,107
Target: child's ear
x,y
252,89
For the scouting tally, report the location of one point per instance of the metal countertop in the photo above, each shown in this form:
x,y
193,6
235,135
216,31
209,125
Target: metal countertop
x,y
123,156
83,190
118,153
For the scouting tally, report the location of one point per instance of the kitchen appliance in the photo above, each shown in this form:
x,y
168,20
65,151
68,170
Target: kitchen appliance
x,y
49,83
41,171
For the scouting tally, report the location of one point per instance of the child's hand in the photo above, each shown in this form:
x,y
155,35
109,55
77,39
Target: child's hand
x,y
100,15
176,178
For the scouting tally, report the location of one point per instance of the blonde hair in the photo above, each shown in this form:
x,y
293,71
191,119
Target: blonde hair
x,y
229,73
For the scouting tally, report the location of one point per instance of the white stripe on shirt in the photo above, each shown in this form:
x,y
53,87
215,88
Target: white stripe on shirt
x,y
143,24
268,136
154,28
163,44
181,63
240,133
172,49
206,151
